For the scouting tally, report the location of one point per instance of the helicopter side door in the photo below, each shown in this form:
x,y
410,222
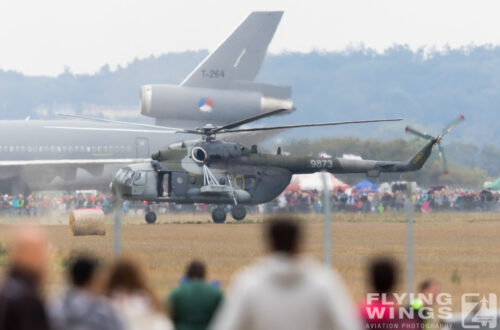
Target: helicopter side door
x,y
163,186
179,184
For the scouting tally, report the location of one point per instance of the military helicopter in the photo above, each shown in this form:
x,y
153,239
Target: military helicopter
x,y
225,173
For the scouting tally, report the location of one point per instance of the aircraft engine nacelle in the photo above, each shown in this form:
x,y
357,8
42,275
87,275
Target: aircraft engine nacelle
x,y
207,105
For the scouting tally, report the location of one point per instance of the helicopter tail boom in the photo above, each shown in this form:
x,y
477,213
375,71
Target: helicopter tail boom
x,y
372,168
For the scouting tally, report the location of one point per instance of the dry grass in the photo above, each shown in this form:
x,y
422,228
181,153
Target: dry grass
x,y
460,250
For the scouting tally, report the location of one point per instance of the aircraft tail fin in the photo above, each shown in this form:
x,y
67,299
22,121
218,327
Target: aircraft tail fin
x,y
418,160
240,56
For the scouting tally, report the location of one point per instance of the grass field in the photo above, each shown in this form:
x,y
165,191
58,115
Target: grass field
x,y
461,250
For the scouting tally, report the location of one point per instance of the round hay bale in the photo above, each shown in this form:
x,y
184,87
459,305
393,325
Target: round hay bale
x,y
87,222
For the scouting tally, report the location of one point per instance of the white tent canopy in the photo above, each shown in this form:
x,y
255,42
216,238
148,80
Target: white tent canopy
x,y
314,181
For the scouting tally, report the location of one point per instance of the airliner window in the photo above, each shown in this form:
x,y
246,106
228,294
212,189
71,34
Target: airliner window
x,y
140,178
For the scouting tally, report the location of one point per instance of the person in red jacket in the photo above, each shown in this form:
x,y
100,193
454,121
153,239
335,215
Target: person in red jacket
x,y
380,310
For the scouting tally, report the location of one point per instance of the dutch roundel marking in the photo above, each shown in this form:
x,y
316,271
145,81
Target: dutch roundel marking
x,y
205,104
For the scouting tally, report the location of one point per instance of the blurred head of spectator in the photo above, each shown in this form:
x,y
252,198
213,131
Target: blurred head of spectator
x,y
284,235
383,275
29,251
21,306
132,298
428,291
196,270
83,272
126,277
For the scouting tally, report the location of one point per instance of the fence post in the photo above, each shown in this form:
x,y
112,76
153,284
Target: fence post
x,y
327,235
409,240
117,231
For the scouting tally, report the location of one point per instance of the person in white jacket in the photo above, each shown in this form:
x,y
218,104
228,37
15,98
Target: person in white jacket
x,y
285,291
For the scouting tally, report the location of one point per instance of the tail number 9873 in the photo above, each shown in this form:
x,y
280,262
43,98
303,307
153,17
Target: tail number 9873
x,y
321,163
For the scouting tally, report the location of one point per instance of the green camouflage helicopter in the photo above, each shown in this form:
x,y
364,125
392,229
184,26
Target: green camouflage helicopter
x,y
224,173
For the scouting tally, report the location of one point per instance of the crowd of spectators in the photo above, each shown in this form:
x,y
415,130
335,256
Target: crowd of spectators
x,y
50,203
283,290
293,201
311,201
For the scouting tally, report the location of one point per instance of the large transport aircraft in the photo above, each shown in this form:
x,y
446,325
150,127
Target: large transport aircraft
x,y
40,155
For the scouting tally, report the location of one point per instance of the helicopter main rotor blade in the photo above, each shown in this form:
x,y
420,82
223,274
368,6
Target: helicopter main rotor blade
x,y
306,125
249,120
180,130
443,158
452,125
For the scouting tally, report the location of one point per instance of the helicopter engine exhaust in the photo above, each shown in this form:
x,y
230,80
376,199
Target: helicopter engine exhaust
x,y
199,154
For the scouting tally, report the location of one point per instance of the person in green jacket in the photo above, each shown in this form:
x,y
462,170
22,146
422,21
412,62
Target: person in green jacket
x,y
193,304
427,295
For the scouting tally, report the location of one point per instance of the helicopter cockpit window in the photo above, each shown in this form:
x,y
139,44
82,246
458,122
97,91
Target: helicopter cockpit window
x,y
127,179
121,174
140,178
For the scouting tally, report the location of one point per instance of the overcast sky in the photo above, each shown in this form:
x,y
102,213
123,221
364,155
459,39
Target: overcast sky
x,y
45,36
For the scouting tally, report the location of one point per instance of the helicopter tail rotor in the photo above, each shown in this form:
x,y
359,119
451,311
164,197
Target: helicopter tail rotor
x,y
439,138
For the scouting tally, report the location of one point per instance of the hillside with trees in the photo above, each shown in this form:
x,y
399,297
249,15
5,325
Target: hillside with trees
x,y
425,89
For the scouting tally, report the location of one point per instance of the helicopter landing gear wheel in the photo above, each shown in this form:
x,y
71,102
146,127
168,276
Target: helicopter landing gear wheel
x,y
219,215
150,217
238,212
